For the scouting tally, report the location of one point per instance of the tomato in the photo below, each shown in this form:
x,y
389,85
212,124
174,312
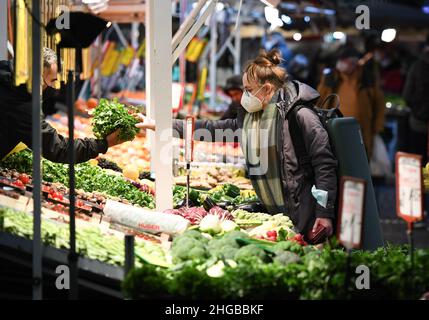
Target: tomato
x,y
272,233
24,178
58,196
18,183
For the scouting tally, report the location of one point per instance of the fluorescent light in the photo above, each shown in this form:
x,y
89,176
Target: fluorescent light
x,y
338,35
388,35
271,3
219,6
297,36
307,19
271,14
311,9
288,6
286,19
329,12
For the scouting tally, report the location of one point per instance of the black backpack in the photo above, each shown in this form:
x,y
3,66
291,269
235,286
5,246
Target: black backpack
x,y
296,133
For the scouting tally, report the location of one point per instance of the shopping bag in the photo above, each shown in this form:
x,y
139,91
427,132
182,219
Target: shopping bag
x,y
380,163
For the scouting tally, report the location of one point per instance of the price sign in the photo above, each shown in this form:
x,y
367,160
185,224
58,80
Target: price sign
x,y
189,138
409,186
352,204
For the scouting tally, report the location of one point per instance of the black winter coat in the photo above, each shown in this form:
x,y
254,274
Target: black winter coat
x,y
16,123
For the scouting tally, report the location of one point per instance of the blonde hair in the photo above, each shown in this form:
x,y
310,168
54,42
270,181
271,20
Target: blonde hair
x,y
266,68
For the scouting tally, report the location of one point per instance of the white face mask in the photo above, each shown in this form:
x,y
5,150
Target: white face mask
x,y
250,102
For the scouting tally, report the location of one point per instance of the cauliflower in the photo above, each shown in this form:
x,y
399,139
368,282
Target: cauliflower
x,y
228,225
211,224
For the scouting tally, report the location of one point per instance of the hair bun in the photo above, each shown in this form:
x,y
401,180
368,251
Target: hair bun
x,y
269,59
274,57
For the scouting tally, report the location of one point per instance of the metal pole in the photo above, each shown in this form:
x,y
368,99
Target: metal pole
x,y
3,29
213,48
135,35
159,85
237,46
129,253
182,60
72,258
36,146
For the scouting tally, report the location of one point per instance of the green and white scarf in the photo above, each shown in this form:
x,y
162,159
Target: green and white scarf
x,y
259,144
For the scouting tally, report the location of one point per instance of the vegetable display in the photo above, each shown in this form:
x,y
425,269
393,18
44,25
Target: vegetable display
x,y
294,273
89,178
91,241
110,116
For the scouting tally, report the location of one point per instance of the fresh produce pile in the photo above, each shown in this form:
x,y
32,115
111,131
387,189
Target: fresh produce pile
x,y
210,177
109,116
91,242
89,178
236,267
226,195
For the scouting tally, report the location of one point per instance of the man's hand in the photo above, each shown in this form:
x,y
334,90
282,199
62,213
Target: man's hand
x,y
325,222
145,123
113,139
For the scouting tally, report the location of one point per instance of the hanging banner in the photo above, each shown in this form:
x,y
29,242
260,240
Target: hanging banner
x,y
351,212
409,186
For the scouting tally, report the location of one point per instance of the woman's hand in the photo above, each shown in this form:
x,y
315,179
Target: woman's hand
x,y
145,123
325,222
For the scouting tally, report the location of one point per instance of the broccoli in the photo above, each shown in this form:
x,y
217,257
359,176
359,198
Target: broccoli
x,y
232,235
189,246
249,251
197,253
286,257
194,234
228,252
283,245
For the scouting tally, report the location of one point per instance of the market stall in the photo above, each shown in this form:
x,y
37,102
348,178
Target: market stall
x,y
162,217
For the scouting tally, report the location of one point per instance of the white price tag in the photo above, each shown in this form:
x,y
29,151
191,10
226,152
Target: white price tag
x,y
352,203
409,201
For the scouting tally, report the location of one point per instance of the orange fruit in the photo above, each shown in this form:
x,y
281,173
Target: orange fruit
x,y
92,103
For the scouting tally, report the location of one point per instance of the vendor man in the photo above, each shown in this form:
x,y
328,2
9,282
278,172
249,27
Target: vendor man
x,y
234,89
16,121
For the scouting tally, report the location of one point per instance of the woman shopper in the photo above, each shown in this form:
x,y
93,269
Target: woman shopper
x,y
280,182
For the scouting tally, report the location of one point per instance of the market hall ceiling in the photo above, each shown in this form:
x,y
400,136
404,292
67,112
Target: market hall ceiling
x,y
120,11
393,12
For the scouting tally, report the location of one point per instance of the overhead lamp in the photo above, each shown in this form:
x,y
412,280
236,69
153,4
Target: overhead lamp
x,y
286,19
220,6
338,35
271,3
307,19
272,17
388,35
297,36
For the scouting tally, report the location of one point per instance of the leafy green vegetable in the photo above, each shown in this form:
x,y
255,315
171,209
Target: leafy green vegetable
x,y
110,116
90,241
88,178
